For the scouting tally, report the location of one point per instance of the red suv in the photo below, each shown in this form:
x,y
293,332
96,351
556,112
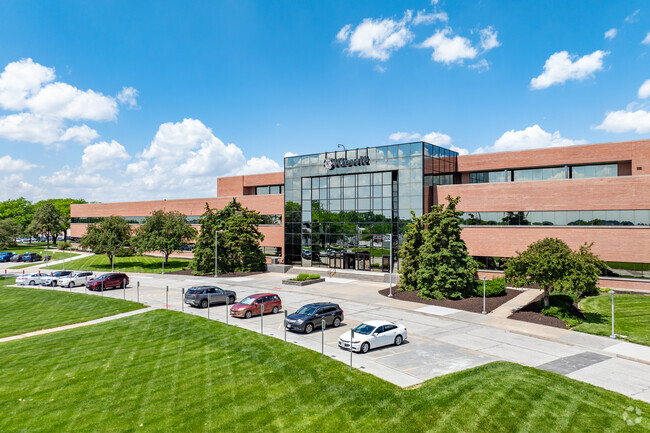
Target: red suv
x,y
108,281
252,305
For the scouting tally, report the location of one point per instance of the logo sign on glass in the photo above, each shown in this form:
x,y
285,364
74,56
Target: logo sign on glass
x,y
332,163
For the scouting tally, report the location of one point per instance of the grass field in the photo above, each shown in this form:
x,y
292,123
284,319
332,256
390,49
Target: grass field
x,y
166,371
631,316
101,263
24,309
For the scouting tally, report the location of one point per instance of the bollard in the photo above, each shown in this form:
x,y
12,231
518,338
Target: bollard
x,y
86,286
102,287
209,303
262,321
138,291
124,292
322,338
227,308
285,326
182,300
351,338
167,297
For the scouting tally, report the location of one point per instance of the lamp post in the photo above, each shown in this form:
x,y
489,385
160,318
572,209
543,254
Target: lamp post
x,y
613,336
484,295
390,268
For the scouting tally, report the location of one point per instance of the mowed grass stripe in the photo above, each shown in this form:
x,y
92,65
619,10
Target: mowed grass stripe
x,y
232,379
24,309
101,263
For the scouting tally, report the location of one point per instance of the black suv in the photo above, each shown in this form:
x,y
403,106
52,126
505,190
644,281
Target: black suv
x,y
31,257
310,316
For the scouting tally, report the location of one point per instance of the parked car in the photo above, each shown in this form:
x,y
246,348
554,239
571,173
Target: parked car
x,y
16,258
28,279
52,278
78,278
373,334
31,257
252,305
309,317
5,256
111,280
200,296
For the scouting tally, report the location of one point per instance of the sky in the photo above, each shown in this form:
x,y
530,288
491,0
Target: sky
x,y
126,101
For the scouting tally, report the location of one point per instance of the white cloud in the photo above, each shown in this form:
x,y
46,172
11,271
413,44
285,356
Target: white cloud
x,y
260,165
103,156
380,69
9,165
376,39
422,17
481,66
533,137
65,101
632,18
82,134
561,67
436,138
14,185
128,96
611,33
646,40
489,39
290,154
20,81
31,128
644,90
449,50
626,121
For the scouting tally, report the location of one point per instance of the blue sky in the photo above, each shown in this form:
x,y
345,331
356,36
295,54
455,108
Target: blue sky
x,y
140,100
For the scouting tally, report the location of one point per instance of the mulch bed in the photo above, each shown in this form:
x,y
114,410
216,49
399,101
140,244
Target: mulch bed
x,y
228,275
532,313
474,305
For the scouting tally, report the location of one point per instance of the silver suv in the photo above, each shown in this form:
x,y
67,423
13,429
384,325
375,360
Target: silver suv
x,y
200,296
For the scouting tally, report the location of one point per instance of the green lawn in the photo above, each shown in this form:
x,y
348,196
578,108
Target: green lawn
x,y
24,309
101,263
631,316
166,371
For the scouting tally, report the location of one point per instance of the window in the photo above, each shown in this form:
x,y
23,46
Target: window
x,y
271,220
380,329
587,171
489,176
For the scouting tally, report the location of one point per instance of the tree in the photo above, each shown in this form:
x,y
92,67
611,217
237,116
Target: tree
x,y
107,236
410,254
446,269
585,270
164,232
47,221
63,206
545,263
9,231
20,210
239,240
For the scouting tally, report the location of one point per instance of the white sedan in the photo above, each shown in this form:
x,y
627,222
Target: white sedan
x,y
78,278
28,279
373,334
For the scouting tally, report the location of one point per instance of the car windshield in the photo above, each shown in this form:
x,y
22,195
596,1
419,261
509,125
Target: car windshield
x,y
103,277
307,310
364,329
247,300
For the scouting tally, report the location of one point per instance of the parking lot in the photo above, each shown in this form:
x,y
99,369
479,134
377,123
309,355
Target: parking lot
x,y
436,345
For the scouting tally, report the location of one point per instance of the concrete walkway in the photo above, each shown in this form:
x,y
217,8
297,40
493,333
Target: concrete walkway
x,y
75,325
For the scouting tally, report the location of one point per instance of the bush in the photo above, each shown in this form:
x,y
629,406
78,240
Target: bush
x,y
314,276
125,252
302,277
561,307
493,287
63,245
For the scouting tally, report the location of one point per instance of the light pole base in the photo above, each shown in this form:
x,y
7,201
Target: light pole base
x,y
483,312
613,337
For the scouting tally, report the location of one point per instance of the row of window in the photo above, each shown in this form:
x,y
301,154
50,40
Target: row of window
x,y
560,218
548,173
271,220
269,189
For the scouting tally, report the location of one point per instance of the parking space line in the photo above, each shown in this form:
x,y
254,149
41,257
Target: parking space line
x,y
390,354
412,368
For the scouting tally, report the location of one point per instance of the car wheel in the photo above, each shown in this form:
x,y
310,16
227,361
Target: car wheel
x,y
32,283
309,328
248,314
398,340
365,347
276,310
204,303
231,300
337,322
70,284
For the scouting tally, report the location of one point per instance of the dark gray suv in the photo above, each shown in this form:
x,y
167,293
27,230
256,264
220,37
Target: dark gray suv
x,y
310,317
201,295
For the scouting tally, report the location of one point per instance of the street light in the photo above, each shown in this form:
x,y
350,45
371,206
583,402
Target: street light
x,y
484,295
611,292
390,278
